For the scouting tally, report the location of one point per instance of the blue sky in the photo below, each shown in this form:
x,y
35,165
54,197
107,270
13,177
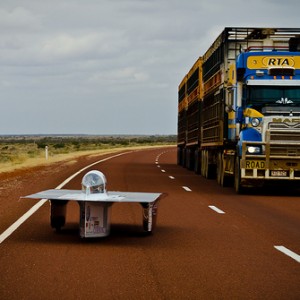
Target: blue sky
x,y
110,66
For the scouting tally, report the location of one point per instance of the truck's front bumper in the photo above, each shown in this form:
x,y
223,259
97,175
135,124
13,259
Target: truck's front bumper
x,y
280,161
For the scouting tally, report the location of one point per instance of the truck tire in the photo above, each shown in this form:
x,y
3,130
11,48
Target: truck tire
x,y
203,164
222,178
184,158
211,171
220,171
179,156
207,170
189,159
237,176
206,164
197,162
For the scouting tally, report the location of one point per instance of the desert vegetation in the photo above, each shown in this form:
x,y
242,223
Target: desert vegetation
x,y
16,150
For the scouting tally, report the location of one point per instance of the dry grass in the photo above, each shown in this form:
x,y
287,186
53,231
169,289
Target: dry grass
x,y
28,151
18,157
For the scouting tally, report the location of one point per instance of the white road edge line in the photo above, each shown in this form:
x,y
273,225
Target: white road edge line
x,y
187,188
38,205
20,221
288,252
219,211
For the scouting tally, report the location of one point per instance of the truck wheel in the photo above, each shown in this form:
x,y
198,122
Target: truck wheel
x,y
206,164
203,163
179,156
183,158
210,171
189,159
220,172
223,179
237,177
197,164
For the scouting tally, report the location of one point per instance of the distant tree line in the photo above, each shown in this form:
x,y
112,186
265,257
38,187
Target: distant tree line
x,y
16,149
81,141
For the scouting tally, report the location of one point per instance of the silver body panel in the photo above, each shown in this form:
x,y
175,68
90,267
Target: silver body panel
x,y
78,195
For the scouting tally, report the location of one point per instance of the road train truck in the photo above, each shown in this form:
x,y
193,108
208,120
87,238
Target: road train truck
x,y
239,109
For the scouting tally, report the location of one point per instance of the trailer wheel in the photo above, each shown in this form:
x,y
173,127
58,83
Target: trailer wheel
x,y
184,158
210,171
220,169
237,177
189,159
203,163
179,156
197,162
207,170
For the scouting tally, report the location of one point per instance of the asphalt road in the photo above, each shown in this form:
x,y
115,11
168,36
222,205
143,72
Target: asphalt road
x,y
209,243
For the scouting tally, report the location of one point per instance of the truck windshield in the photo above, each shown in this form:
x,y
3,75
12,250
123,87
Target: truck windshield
x,y
260,96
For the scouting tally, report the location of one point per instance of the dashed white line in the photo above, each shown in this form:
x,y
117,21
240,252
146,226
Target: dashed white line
x,y
219,211
288,252
187,188
282,249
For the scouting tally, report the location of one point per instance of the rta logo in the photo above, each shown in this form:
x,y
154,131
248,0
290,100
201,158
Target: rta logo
x,y
279,61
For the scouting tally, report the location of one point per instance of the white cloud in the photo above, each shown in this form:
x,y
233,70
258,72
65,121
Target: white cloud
x,y
118,77
19,18
124,57
87,45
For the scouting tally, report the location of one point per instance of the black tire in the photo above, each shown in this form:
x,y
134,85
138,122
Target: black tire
x,y
203,164
211,170
208,171
179,156
190,159
237,176
183,162
197,162
220,172
224,179
206,164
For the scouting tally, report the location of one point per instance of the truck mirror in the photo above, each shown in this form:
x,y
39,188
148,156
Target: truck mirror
x,y
229,109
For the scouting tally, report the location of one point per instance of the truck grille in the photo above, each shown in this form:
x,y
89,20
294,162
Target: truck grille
x,y
284,150
285,136
284,132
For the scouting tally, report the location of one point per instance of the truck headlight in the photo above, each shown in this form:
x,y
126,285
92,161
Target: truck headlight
x,y
255,122
253,150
